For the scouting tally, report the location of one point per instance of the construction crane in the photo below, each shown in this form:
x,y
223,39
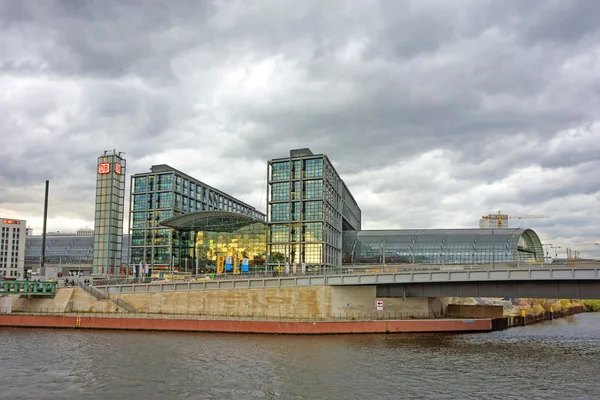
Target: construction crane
x,y
503,218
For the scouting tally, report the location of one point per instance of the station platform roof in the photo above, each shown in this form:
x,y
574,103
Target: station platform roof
x,y
210,221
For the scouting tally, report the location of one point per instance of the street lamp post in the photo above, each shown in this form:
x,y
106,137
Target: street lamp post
x,y
383,240
556,251
493,251
547,245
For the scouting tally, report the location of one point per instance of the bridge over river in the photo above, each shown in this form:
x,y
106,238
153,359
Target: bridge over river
x,y
527,282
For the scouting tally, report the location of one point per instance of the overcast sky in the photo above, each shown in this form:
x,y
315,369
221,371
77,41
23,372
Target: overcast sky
x,y
433,112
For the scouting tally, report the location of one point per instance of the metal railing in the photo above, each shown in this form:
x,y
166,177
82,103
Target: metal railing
x,y
98,295
94,292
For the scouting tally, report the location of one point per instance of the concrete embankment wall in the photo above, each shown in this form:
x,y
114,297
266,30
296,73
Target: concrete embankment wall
x,y
270,327
293,302
317,302
66,300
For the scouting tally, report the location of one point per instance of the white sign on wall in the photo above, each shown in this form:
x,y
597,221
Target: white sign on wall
x,y
379,305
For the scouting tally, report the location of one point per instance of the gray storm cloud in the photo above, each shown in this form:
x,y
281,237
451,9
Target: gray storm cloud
x,y
433,112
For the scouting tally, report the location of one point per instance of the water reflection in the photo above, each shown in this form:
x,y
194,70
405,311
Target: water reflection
x,y
558,359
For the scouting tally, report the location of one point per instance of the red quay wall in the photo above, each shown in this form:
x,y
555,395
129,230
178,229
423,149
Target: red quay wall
x,y
189,325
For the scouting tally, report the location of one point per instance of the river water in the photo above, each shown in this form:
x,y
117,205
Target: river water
x,y
553,360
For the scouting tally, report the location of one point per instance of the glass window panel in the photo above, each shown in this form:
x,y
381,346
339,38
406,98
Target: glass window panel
x,y
280,191
313,168
313,189
280,171
280,212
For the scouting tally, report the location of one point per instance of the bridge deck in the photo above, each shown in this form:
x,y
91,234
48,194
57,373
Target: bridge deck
x,y
28,288
381,278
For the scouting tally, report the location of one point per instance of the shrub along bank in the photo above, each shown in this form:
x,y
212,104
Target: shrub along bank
x,y
591,305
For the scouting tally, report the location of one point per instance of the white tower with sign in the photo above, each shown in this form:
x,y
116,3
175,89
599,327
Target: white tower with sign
x,y
12,248
108,219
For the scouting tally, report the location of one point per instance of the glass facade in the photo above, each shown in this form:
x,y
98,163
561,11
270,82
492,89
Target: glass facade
x,y
308,207
440,246
246,242
108,219
165,193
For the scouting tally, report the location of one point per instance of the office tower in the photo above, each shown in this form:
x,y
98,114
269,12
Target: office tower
x,y
163,193
308,208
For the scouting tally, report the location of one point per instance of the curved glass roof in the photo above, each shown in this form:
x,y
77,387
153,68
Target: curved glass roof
x,y
210,221
442,246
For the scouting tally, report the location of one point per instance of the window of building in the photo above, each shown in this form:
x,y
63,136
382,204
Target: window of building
x,y
313,210
279,233
313,189
139,220
313,168
162,236
165,182
165,200
312,253
313,231
297,169
137,237
280,171
280,212
162,255
140,184
280,191
140,201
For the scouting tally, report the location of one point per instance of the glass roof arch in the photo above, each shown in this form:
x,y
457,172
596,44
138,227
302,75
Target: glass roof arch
x,y
442,246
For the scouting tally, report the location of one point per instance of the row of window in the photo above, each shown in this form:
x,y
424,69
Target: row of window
x,y
6,240
197,194
297,169
142,219
296,211
295,253
156,255
12,273
152,183
282,191
306,232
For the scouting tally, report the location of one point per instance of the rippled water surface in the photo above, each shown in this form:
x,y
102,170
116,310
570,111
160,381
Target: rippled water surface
x,y
553,360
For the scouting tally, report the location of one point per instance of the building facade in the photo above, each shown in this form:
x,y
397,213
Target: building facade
x,y
108,219
164,193
12,248
308,208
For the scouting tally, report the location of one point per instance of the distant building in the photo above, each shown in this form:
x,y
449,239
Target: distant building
x,y
28,232
165,193
85,232
12,248
494,221
308,208
108,219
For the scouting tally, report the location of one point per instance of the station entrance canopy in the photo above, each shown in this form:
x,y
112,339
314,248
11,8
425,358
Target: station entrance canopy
x,y
210,221
217,241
